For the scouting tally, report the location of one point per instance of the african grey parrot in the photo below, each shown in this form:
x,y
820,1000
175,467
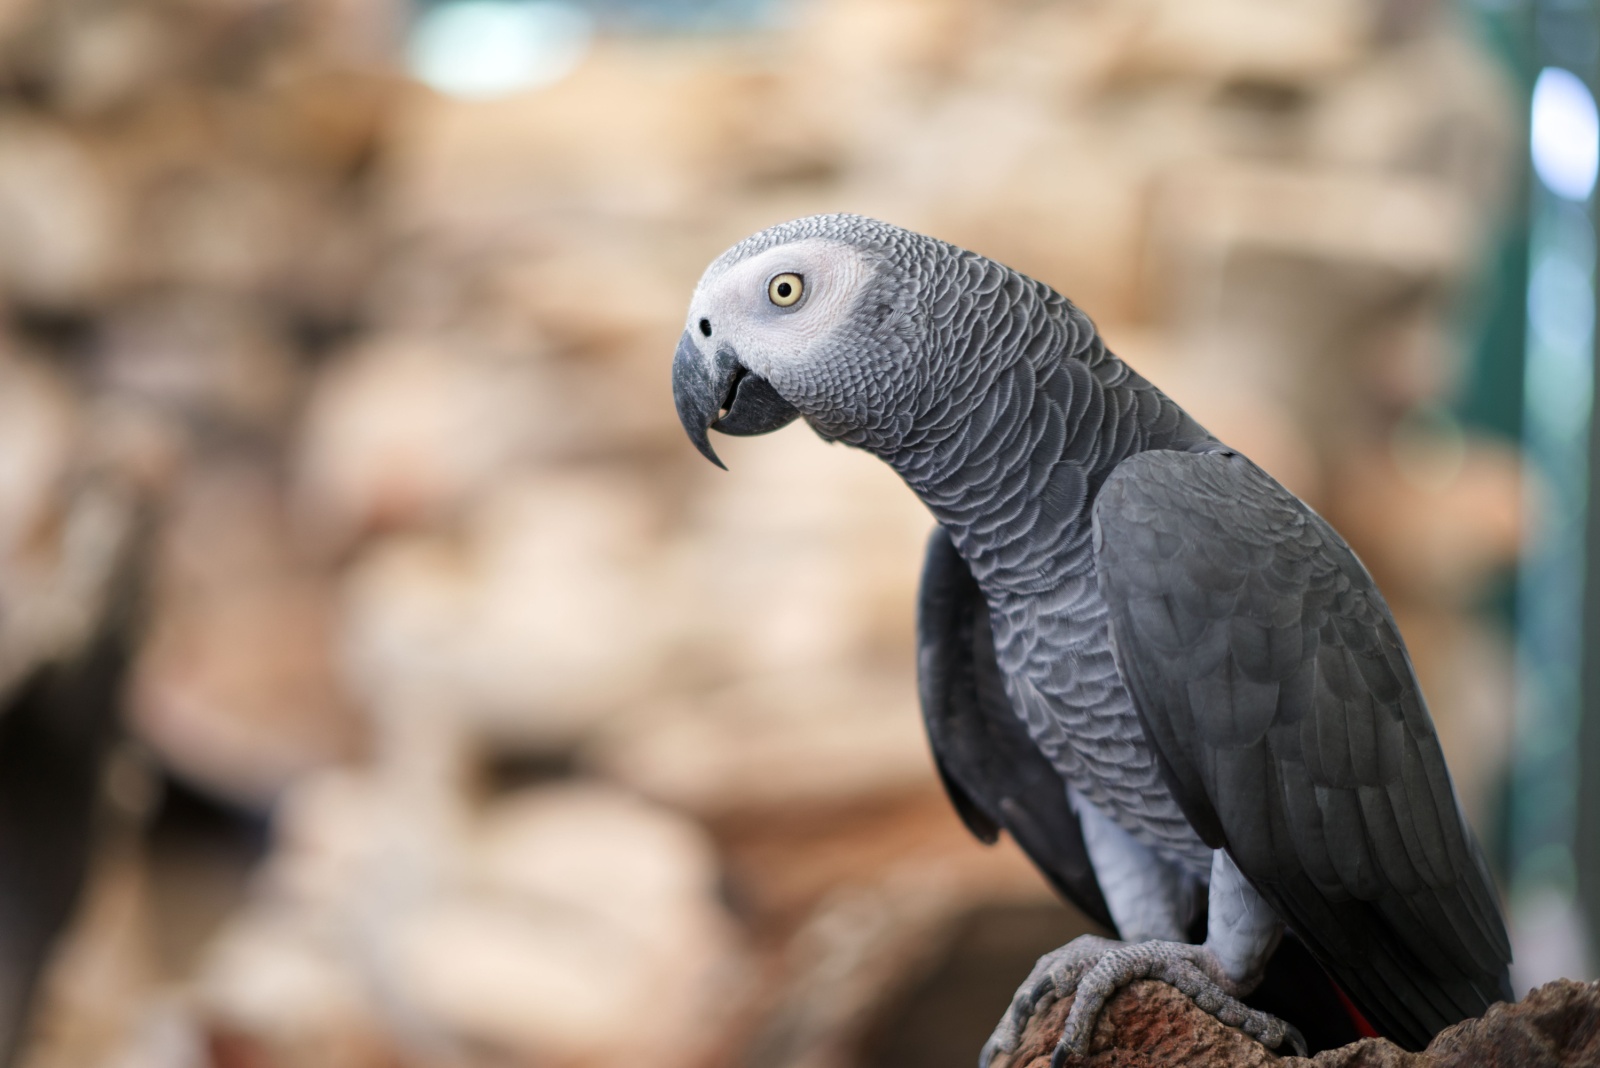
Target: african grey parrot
x,y
1167,677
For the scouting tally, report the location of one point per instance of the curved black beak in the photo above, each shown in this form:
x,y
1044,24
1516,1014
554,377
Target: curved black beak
x,y
725,395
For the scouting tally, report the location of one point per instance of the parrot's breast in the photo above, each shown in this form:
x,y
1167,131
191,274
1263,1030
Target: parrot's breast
x,y
1054,649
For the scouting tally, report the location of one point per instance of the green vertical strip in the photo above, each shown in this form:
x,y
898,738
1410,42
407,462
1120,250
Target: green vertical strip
x,y
1586,847
1495,317
1557,409
1587,817
1490,397
1552,904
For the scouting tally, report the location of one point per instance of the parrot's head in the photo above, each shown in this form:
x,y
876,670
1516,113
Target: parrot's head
x,y
825,317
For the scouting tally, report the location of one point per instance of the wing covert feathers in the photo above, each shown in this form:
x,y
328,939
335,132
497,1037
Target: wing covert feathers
x,y
1271,677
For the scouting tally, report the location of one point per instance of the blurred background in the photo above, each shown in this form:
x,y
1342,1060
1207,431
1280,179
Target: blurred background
x,y
386,682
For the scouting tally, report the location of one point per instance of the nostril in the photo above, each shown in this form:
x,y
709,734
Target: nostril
x,y
705,327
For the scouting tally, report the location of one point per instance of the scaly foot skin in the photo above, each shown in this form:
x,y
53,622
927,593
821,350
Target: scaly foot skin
x,y
1096,968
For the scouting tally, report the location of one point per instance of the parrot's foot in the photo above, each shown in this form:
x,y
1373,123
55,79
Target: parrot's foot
x,y
1095,968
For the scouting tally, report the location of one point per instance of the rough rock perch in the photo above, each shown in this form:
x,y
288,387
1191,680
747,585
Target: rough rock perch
x,y
1151,1025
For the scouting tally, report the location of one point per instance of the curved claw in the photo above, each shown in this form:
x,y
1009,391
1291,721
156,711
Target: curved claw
x,y
991,1050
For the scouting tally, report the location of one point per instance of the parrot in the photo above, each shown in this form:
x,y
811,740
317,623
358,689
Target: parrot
x,y
1167,678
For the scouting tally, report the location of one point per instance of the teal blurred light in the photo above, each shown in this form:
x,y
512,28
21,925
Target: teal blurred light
x,y
481,49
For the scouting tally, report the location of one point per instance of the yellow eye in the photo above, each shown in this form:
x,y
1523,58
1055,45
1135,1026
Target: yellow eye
x,y
785,289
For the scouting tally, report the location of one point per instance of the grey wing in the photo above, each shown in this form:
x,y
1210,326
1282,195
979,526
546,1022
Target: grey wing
x,y
995,774
1271,678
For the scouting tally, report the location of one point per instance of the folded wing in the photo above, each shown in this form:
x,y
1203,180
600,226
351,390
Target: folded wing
x,y
1271,677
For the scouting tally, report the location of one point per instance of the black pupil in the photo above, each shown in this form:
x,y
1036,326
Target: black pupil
x,y
784,289
705,327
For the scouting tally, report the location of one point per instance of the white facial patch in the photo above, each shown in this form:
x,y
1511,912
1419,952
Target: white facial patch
x,y
734,304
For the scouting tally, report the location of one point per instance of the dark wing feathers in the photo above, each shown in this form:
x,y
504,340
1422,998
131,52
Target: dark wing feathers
x,y
1270,676
995,774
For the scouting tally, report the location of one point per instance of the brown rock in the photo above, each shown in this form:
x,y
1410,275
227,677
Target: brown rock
x,y
1150,1024
1557,1024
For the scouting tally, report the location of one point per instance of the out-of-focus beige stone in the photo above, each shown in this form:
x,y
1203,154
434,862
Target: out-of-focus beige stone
x,y
71,520
543,616
38,424
1037,207
201,359
235,687
220,224
90,996
1242,413
800,557
850,959
166,1034
1429,106
16,13
592,300
671,111
1247,39
282,984
1435,519
365,34
593,934
301,974
780,741
1389,223
574,923
405,430
59,220
606,311
103,54
332,827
